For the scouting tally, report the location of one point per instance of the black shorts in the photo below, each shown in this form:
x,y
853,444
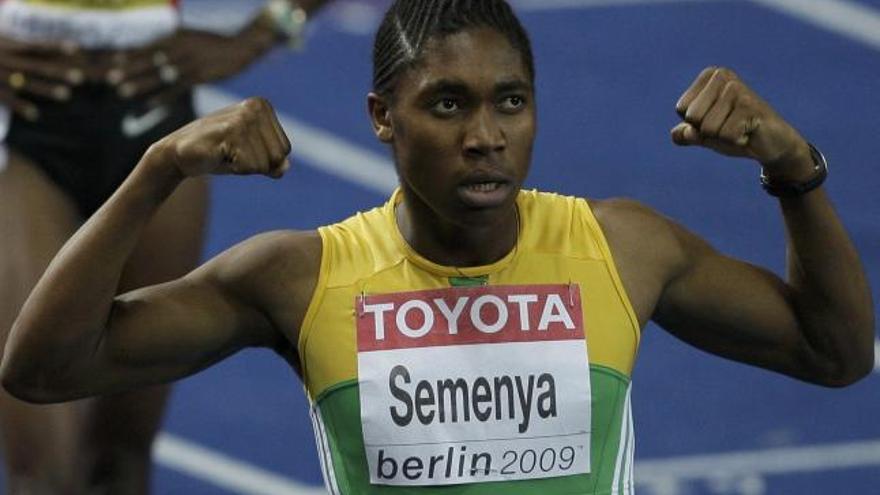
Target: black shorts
x,y
89,144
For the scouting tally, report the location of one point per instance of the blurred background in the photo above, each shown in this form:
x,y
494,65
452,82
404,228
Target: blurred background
x,y
609,74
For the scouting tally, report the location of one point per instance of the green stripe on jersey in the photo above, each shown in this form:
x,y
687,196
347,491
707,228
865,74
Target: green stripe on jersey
x,y
339,412
469,281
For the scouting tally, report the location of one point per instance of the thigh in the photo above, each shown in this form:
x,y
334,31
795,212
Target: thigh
x,y
123,425
170,247
36,218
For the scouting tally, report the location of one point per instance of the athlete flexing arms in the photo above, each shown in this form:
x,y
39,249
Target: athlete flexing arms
x,y
403,319
85,87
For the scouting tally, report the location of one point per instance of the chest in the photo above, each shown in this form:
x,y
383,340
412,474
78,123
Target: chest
x,y
511,382
329,336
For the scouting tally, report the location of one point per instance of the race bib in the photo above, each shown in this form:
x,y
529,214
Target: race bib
x,y
477,384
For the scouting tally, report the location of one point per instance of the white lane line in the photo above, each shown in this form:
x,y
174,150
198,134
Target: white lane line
x,y
877,356
537,5
771,461
851,19
225,472
318,148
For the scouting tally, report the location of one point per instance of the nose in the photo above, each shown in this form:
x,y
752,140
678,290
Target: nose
x,y
484,134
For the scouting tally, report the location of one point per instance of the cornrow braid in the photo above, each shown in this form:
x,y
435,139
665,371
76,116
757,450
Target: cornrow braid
x,y
409,24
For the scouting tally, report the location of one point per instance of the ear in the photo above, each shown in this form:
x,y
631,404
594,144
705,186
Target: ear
x,y
380,117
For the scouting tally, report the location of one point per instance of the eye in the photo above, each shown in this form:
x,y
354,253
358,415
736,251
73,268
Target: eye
x,y
512,103
446,106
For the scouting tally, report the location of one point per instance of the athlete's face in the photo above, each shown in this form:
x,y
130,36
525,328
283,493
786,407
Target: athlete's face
x,y
462,124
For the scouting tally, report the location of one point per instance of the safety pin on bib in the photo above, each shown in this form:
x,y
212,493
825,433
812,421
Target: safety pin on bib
x,y
361,301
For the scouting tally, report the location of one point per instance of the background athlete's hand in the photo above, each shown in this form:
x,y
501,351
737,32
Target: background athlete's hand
x,y
172,65
720,112
30,72
243,139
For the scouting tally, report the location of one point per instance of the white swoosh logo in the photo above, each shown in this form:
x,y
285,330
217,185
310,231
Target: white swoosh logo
x,y
133,126
5,117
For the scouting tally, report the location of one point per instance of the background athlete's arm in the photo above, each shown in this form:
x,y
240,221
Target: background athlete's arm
x,y
168,67
32,72
76,337
818,324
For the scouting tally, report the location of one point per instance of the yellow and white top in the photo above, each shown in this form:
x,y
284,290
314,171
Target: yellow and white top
x,y
91,24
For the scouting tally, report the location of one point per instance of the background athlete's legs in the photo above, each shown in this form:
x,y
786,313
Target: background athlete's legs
x,y
35,220
119,429
52,449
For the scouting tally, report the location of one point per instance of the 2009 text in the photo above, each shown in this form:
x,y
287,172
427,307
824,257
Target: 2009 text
x,y
528,460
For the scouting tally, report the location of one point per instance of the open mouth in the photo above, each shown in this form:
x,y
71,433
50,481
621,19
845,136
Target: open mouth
x,y
486,194
484,187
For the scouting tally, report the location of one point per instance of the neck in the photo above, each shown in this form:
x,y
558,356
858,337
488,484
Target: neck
x,y
454,244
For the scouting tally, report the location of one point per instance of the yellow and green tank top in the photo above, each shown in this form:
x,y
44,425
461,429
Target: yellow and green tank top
x,y
560,242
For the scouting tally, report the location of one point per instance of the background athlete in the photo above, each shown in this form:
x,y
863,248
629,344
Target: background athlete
x,y
453,97
85,87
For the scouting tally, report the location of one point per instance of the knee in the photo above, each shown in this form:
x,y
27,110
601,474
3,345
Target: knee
x,y
41,481
120,470
35,471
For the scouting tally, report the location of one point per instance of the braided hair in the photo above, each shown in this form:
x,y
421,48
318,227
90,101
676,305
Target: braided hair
x,y
409,24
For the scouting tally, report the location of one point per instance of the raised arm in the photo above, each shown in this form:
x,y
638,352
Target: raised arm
x,y
76,337
818,324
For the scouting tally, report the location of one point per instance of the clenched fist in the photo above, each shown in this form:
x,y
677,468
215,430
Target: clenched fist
x,y
722,113
243,139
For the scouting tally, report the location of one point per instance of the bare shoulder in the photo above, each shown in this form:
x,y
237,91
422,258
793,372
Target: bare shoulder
x,y
632,226
266,256
627,216
275,271
649,248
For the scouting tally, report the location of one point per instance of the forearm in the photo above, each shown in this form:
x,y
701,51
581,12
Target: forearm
x,y
818,325
830,291
64,318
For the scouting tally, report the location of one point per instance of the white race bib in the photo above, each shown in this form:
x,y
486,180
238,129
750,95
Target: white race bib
x,y
476,384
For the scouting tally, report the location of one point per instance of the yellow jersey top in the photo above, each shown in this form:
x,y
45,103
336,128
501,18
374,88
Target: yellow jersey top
x,y
560,245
